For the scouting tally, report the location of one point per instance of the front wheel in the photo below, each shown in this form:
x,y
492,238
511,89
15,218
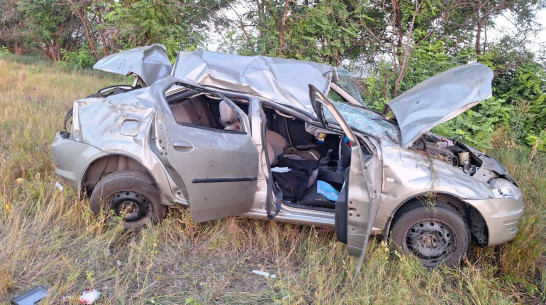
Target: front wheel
x,y
131,195
436,234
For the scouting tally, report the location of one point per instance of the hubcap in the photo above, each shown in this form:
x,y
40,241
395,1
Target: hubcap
x,y
430,240
131,206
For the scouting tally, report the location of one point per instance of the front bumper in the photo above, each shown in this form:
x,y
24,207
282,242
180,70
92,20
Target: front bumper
x,y
72,158
501,216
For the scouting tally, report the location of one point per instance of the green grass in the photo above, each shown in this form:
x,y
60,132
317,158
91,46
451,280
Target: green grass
x,y
49,237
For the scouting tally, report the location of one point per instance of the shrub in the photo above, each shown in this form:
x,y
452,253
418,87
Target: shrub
x,y
81,59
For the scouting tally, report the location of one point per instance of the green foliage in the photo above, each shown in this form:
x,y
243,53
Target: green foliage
x,y
377,86
521,83
4,50
477,125
518,101
323,33
538,141
48,25
178,25
81,59
326,31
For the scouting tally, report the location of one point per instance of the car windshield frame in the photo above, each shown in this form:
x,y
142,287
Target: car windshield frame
x,y
364,120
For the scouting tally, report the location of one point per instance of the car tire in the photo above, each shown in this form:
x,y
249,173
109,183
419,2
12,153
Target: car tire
x,y
131,195
436,234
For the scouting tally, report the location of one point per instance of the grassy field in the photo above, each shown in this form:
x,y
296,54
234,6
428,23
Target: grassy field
x,y
49,237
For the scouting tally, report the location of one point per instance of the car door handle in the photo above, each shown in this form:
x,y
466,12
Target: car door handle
x,y
182,145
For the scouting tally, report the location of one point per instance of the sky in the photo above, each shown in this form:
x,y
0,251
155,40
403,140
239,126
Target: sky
x,y
537,44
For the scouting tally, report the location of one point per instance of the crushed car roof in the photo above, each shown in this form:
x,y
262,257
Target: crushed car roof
x,y
286,81
279,79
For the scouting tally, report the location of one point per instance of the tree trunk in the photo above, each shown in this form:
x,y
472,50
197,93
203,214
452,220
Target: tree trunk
x,y
90,36
283,22
477,45
18,48
102,37
398,23
407,51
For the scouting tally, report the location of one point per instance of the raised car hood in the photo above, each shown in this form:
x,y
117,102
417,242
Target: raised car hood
x,y
439,99
149,63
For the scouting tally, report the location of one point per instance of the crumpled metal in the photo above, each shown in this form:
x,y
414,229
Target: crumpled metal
x,y
281,80
440,98
149,63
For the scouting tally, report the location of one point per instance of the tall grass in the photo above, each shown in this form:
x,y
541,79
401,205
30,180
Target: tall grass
x,y
49,237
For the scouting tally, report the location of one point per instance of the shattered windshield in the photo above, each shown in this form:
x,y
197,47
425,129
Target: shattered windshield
x,y
365,121
348,84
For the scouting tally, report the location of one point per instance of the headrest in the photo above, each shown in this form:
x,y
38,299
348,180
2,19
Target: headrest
x,y
227,115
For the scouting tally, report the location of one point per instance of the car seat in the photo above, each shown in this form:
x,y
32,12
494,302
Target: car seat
x,y
274,141
228,117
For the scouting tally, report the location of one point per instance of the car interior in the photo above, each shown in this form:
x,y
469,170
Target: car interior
x,y
203,109
308,170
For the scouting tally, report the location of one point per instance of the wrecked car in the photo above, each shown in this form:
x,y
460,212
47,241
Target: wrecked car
x,y
285,140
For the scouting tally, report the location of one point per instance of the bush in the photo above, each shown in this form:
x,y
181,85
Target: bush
x,y
81,59
4,50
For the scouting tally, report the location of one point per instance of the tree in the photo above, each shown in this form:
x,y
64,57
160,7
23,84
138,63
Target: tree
x,y
48,25
176,24
12,24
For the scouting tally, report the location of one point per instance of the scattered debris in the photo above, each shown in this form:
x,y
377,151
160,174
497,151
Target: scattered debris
x,y
263,273
30,297
59,186
89,296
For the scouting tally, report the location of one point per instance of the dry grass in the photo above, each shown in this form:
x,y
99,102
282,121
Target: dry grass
x,y
49,237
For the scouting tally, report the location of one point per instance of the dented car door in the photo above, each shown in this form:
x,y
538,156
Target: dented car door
x,y
218,168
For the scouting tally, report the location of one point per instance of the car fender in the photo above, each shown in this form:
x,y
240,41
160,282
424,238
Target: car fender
x,y
408,174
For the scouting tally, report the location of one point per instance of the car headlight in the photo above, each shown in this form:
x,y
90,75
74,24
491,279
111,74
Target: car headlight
x,y
503,188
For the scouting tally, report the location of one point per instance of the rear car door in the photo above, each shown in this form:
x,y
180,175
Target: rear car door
x,y
362,201
218,168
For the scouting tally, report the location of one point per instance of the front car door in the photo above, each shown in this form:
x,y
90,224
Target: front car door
x,y
362,200
218,168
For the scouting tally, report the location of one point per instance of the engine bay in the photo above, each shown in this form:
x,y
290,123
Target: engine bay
x,y
450,151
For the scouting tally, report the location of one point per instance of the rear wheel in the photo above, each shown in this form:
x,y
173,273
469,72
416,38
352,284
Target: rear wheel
x,y
131,195
436,234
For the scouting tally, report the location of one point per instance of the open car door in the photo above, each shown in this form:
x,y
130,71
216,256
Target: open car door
x,y
359,209
217,167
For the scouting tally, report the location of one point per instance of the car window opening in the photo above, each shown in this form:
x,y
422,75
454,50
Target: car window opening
x,y
309,169
203,109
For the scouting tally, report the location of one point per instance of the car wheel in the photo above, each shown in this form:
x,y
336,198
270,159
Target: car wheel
x,y
131,195
435,234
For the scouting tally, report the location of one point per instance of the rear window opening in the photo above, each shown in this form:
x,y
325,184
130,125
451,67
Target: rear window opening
x,y
204,109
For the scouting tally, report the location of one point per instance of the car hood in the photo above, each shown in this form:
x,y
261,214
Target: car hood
x,y
439,99
149,63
